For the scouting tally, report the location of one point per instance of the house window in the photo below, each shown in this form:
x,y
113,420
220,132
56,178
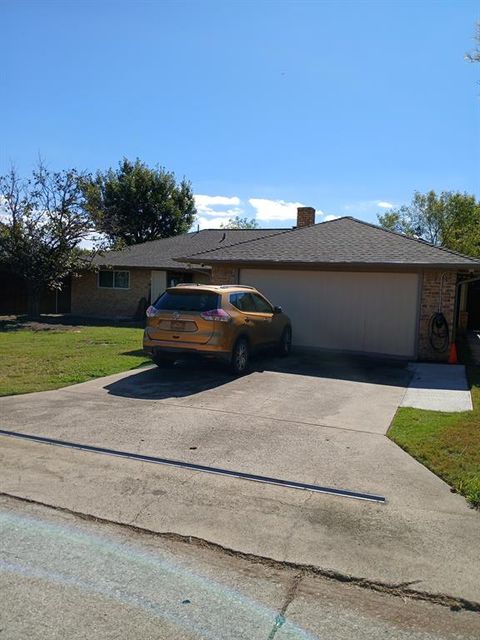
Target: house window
x,y
178,277
108,279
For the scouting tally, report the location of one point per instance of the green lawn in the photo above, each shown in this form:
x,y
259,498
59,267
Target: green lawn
x,y
447,443
41,356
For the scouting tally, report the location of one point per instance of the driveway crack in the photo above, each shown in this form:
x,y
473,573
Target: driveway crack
x,y
280,619
142,509
243,415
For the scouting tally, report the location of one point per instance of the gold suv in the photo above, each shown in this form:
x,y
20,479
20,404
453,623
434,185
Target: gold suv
x,y
226,322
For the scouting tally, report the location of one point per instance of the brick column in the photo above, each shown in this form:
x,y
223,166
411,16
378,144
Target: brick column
x,y
432,290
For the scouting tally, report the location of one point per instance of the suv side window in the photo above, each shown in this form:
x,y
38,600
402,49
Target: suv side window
x,y
261,305
243,301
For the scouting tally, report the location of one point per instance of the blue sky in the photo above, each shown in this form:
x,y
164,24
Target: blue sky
x,y
344,106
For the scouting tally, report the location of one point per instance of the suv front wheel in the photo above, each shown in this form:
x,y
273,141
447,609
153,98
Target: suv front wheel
x,y
285,344
240,357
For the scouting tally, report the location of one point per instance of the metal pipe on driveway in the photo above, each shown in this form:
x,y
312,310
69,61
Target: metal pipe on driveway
x,y
289,484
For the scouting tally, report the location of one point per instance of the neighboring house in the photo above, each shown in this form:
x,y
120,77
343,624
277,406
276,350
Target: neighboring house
x,y
14,295
348,285
127,280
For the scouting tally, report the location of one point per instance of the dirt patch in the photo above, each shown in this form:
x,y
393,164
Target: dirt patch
x,y
60,323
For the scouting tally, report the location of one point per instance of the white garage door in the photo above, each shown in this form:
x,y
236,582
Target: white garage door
x,y
352,311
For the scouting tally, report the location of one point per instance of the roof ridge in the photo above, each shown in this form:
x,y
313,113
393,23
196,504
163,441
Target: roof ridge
x,y
281,231
192,233
419,240
240,229
236,244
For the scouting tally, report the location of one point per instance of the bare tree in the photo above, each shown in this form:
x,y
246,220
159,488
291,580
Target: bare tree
x,y
42,223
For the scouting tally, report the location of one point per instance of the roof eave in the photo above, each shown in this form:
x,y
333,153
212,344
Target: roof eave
x,y
161,267
298,263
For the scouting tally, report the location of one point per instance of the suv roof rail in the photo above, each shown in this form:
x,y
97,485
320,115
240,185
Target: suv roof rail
x,y
188,284
219,286
240,286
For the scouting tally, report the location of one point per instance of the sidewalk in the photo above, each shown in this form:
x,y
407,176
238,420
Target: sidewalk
x,y
438,387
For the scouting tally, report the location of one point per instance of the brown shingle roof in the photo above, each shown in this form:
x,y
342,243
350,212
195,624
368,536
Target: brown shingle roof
x,y
344,241
161,254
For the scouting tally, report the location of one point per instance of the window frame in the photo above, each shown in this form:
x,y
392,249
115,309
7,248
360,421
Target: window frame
x,y
242,293
113,272
254,295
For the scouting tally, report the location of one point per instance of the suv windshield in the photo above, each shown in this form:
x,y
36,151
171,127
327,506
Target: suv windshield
x,y
187,301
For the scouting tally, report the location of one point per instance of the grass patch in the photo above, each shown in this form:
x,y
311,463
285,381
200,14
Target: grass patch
x,y
447,443
37,360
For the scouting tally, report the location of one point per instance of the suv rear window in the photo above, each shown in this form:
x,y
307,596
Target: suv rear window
x,y
187,301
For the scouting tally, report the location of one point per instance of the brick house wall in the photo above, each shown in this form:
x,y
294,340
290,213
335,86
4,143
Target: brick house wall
x,y
224,274
434,292
88,299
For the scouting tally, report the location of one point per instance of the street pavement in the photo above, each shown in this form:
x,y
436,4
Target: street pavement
x,y
62,576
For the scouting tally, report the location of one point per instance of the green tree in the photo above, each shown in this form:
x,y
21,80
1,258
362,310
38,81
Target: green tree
x,y
135,203
42,224
450,219
240,223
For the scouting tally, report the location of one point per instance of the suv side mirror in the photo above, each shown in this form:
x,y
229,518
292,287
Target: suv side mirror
x,y
277,309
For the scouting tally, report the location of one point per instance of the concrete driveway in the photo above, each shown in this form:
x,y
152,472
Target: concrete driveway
x,y
309,421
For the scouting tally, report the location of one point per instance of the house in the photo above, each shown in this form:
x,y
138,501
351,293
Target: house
x,y
352,286
346,284
126,281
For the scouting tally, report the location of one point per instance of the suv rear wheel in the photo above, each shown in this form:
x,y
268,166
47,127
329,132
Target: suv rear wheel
x,y
240,357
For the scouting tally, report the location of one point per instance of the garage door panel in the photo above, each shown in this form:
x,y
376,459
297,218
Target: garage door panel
x,y
353,311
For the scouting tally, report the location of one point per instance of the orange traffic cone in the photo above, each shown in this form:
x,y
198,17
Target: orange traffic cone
x,y
452,357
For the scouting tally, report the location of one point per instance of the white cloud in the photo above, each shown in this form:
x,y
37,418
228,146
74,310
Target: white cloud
x,y
205,203
227,213
267,210
364,206
4,214
330,217
209,223
214,210
93,241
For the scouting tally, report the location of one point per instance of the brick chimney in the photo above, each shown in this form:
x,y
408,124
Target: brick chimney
x,y
305,216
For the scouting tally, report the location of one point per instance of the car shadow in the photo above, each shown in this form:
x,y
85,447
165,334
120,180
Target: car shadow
x,y
341,366
182,380
187,378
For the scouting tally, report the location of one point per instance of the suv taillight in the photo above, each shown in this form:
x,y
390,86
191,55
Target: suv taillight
x,y
215,314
